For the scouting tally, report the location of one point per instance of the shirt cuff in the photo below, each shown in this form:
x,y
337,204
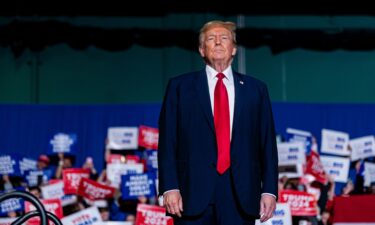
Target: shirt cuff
x,y
269,194
161,197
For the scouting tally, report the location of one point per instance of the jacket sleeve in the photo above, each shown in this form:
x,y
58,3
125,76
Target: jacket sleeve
x,y
168,140
269,157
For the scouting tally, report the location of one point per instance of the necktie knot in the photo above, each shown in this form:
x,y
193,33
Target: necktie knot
x,y
220,76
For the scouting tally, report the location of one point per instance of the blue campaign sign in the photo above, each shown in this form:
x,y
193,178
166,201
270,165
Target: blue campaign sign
x,y
63,143
12,204
37,177
135,185
9,165
27,164
152,160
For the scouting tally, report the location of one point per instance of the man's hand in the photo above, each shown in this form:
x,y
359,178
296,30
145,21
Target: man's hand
x,y
173,202
267,207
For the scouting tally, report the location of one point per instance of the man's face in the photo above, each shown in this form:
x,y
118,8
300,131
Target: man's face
x,y
218,45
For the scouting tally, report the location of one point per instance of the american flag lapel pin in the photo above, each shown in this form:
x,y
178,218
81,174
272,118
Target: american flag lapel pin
x,y
241,82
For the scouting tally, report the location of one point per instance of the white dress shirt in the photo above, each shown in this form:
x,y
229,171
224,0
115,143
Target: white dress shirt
x,y
229,84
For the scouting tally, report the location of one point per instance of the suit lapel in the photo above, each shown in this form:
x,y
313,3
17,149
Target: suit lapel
x,y
201,86
239,91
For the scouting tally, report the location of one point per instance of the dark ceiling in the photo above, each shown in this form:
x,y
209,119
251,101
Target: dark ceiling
x,y
163,7
20,35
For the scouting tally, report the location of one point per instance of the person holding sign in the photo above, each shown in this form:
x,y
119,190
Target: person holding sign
x,y
217,153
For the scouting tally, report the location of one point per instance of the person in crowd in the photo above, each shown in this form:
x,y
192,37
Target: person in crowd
x,y
89,164
65,162
42,162
217,154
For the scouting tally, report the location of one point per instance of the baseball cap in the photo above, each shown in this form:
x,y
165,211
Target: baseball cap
x,y
44,158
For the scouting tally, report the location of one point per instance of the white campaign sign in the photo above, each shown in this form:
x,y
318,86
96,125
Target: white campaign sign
x,y
7,220
122,138
291,171
87,216
335,142
115,170
281,216
117,223
55,190
362,148
337,167
303,136
291,153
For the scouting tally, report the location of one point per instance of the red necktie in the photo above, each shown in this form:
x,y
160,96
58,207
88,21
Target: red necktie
x,y
222,124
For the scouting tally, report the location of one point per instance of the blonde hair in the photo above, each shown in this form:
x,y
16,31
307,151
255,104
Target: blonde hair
x,y
217,23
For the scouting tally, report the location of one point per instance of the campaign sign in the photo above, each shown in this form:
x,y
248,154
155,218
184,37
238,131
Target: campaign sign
x,y
7,221
152,215
152,160
291,171
72,179
301,203
337,167
68,200
116,170
122,138
35,177
295,135
27,164
335,142
315,167
89,216
369,173
94,190
281,216
63,143
11,204
54,190
116,223
135,185
51,205
132,159
362,148
290,153
8,165
148,137
116,158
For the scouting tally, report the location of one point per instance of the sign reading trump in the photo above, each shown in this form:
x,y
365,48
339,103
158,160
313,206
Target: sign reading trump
x,y
148,137
152,215
301,203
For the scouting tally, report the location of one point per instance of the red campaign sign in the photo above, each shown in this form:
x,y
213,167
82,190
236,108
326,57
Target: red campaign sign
x,y
52,205
315,167
116,158
152,215
148,137
301,203
72,179
132,159
94,190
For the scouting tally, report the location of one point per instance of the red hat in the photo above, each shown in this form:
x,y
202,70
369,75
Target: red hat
x,y
44,158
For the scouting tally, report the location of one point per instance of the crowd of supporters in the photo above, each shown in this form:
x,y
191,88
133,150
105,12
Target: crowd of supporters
x,y
117,208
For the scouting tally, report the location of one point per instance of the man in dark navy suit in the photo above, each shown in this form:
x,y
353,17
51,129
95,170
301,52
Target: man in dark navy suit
x,y
217,147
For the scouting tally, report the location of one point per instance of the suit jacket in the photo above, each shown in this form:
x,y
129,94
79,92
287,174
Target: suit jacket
x,y
187,151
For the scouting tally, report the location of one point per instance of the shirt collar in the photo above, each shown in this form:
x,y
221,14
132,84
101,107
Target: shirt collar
x,y
211,73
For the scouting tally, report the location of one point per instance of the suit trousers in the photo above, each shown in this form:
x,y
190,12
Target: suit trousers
x,y
224,208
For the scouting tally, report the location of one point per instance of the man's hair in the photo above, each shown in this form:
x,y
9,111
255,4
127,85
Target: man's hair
x,y
217,23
